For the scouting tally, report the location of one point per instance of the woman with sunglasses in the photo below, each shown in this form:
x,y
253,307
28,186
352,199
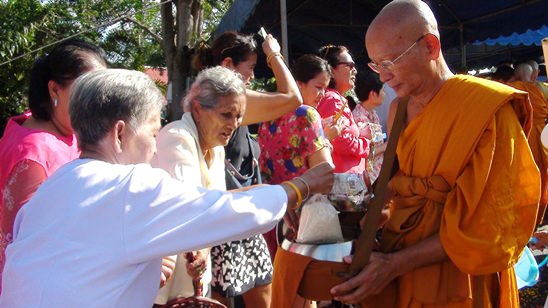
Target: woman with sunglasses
x,y
350,151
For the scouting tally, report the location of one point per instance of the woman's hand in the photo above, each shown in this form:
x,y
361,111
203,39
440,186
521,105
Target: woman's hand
x,y
197,268
270,45
319,178
291,219
332,131
168,266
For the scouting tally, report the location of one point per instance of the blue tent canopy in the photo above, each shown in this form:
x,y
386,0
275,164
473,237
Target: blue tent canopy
x,y
314,23
528,38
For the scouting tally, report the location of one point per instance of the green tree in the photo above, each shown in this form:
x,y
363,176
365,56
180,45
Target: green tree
x,y
30,25
134,33
184,23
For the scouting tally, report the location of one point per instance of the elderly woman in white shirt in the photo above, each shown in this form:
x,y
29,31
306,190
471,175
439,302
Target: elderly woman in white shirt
x,y
95,232
191,150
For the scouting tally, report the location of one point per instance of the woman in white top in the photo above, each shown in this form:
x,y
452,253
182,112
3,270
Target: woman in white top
x,y
95,232
191,150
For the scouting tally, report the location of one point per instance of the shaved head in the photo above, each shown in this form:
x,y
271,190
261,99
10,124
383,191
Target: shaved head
x,y
404,19
523,72
534,66
403,43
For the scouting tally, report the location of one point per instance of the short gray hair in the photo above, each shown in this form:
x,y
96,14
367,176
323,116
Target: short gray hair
x,y
101,98
212,83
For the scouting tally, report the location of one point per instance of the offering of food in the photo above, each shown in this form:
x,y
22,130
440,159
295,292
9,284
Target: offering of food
x,y
350,192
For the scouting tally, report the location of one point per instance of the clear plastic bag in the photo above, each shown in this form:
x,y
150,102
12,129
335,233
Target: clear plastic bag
x,y
319,222
350,192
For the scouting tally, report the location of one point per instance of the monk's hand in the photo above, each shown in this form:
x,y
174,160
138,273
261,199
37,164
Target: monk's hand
x,y
373,278
197,268
168,266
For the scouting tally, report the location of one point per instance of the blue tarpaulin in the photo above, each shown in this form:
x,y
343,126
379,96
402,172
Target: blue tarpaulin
x,y
528,38
314,23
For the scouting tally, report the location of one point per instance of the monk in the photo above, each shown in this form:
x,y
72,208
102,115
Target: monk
x,y
528,84
466,195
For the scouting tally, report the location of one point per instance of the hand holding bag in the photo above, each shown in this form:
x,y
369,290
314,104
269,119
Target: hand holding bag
x,y
196,301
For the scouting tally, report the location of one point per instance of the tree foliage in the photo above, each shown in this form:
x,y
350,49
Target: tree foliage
x,y
134,34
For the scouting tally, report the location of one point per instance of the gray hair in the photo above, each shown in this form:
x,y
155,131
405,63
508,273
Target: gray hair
x,y
212,83
101,98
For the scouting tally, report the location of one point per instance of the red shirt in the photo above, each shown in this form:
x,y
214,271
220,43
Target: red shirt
x,y
349,149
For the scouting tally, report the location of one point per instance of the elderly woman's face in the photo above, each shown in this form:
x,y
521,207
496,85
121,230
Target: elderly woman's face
x,y
139,145
216,125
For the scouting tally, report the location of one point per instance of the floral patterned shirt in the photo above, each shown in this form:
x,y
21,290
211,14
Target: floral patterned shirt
x,y
287,142
369,125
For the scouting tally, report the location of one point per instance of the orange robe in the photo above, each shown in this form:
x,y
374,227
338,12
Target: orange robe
x,y
469,175
540,112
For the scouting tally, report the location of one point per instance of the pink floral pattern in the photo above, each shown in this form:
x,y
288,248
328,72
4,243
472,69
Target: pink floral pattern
x,y
287,142
369,125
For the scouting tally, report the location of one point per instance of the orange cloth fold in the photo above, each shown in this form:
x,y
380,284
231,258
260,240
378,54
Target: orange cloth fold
x,y
540,113
469,175
288,271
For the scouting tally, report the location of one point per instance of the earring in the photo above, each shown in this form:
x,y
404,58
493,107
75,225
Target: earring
x,y
55,102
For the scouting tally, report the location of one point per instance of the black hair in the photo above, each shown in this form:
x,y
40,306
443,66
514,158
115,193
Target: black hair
x,y
308,66
234,45
503,73
331,54
65,63
366,81
351,102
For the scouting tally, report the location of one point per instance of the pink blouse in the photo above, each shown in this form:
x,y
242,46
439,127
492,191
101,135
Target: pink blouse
x,y
27,158
349,149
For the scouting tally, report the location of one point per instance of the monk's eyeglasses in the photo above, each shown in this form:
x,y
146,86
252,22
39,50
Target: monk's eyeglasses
x,y
388,65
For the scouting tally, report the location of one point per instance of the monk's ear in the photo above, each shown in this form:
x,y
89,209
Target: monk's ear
x,y
433,46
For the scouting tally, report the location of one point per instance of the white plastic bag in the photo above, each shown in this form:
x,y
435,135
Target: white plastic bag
x,y
319,222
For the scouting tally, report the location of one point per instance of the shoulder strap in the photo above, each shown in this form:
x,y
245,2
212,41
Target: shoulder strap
x,y
365,242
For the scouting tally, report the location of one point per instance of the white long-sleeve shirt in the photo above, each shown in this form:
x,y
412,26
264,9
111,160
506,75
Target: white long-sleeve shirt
x,y
94,233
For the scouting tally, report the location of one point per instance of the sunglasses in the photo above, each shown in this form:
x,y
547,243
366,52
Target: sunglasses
x,y
350,65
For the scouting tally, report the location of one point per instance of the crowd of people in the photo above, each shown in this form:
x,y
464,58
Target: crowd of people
x,y
103,207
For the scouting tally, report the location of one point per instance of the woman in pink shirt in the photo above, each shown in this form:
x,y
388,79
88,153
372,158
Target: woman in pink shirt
x,y
38,142
349,149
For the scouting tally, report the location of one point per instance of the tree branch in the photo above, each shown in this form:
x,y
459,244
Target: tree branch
x,y
168,34
144,27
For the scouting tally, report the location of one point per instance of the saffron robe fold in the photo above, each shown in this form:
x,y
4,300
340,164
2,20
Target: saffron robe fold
x,y
468,174
540,113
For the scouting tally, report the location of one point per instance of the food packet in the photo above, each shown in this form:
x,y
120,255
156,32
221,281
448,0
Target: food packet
x,y
349,192
319,222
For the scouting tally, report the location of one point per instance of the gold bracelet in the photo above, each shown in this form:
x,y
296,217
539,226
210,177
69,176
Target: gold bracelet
x,y
297,192
305,184
271,56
